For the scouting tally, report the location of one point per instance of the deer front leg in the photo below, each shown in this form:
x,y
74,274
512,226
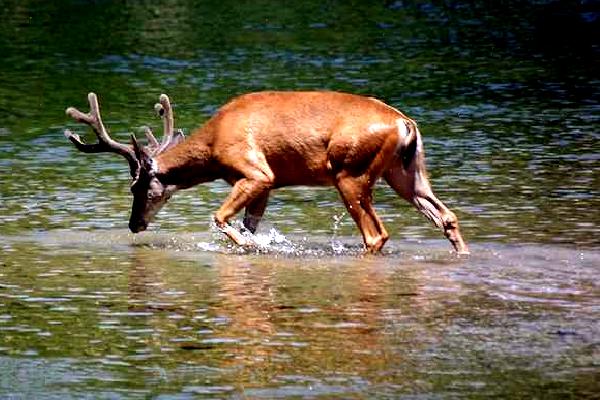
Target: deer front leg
x,y
254,212
243,193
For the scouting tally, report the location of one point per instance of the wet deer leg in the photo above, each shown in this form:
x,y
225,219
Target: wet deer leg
x,y
357,199
244,191
414,187
254,212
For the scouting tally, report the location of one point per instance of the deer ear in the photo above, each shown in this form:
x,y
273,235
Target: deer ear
x,y
178,137
137,149
142,155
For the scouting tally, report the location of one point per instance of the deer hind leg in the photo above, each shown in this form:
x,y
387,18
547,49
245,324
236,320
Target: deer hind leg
x,y
358,200
367,203
254,212
414,187
244,192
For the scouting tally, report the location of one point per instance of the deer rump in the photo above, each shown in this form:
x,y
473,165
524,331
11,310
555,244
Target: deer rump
x,y
261,141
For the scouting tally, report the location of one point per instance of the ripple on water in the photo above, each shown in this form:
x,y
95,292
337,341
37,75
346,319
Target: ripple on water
x,y
272,242
224,316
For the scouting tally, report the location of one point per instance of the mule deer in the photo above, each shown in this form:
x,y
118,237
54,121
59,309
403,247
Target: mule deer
x,y
262,141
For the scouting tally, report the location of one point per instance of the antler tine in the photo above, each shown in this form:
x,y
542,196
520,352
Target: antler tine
x,y
164,110
151,138
105,143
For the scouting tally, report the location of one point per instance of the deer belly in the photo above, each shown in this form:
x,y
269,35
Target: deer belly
x,y
291,171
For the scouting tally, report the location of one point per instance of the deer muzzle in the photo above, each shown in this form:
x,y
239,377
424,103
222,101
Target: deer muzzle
x,y
137,226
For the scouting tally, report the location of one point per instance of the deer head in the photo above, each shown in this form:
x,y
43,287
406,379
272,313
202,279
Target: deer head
x,y
149,193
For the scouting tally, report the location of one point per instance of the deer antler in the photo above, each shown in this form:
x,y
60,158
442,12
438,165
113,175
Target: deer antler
x,y
170,136
105,143
153,144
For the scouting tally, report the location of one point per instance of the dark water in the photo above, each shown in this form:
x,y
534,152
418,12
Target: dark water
x,y
506,95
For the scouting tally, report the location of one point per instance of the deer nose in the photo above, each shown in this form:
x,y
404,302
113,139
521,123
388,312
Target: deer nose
x,y
137,226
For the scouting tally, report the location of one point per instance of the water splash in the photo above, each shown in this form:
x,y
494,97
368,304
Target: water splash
x,y
270,242
336,245
274,240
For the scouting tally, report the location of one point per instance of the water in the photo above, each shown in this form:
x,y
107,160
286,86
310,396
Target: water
x,y
509,113
110,316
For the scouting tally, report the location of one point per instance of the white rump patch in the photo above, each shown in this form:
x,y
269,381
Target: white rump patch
x,y
402,128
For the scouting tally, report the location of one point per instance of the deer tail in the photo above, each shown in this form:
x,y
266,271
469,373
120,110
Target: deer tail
x,y
410,142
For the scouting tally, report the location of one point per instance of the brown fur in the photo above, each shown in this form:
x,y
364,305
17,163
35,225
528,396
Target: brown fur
x,y
262,141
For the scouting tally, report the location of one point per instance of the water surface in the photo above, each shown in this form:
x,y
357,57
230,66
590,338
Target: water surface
x,y
509,112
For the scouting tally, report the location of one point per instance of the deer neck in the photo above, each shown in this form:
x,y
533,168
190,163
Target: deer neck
x,y
185,165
